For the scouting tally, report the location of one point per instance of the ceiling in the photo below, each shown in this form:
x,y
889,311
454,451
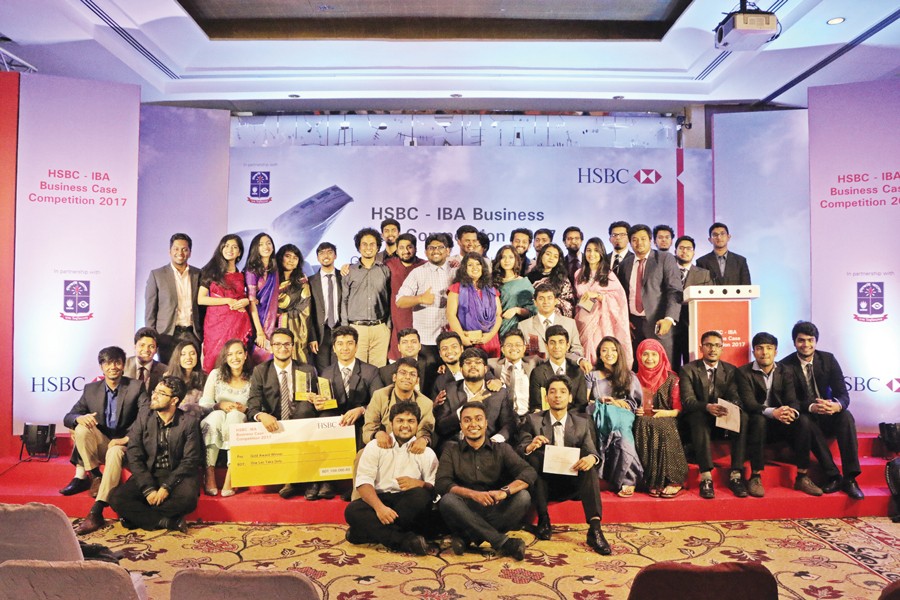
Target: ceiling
x,y
465,55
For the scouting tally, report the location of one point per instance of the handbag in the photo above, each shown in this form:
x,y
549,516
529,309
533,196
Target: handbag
x,y
890,436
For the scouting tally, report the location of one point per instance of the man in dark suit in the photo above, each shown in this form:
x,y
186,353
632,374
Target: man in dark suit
x,y
171,299
819,383
618,240
514,370
769,396
557,364
501,418
142,366
690,275
725,267
652,283
325,315
534,330
702,383
410,347
100,420
272,390
559,427
165,452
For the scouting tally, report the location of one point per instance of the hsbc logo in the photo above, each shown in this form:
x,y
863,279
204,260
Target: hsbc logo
x,y
647,176
872,384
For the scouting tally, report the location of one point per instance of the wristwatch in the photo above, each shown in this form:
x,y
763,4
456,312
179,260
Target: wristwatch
x,y
505,488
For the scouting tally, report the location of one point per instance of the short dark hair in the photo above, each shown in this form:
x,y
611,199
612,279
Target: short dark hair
x,y
639,227
283,331
804,328
344,330
709,334
176,385
408,331
447,335
523,231
546,287
464,229
408,237
686,238
556,330
515,331
472,404
405,407
357,239
485,241
407,361
181,236
545,231
110,354
435,237
659,228
616,224
717,225
764,337
570,229
387,222
326,246
562,378
473,352
146,332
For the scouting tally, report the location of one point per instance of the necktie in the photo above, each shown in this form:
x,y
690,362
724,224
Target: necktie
x,y
560,371
684,273
508,377
638,284
616,262
546,324
711,385
810,381
285,396
721,261
142,375
329,317
345,374
558,434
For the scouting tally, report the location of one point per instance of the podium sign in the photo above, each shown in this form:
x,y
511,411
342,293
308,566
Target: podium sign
x,y
302,450
722,308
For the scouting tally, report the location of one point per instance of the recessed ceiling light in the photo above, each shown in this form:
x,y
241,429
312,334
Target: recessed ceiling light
x,y
618,97
836,21
293,95
456,95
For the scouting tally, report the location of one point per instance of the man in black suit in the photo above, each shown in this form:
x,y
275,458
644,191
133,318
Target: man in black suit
x,y
171,299
770,400
702,383
559,427
725,267
100,420
618,240
410,347
501,418
165,452
142,366
819,383
690,275
652,283
557,364
325,315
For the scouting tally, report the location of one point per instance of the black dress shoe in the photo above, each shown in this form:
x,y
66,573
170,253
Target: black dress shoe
x,y
738,487
543,531
289,490
707,491
90,524
352,537
76,486
458,545
834,484
597,541
513,548
326,491
851,488
414,544
178,524
312,492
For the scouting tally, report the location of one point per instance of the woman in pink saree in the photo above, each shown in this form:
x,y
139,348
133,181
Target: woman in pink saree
x,y
598,288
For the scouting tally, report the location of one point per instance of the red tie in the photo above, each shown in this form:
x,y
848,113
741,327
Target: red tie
x,y
638,295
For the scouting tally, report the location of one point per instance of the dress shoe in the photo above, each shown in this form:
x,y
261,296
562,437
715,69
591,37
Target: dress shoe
x,y
90,524
352,537
738,487
513,548
312,492
707,492
833,485
459,545
326,491
95,486
543,531
755,487
76,486
414,544
851,488
289,490
347,496
597,541
178,524
806,485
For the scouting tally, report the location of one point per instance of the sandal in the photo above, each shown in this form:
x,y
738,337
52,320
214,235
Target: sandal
x,y
670,491
627,491
227,492
654,493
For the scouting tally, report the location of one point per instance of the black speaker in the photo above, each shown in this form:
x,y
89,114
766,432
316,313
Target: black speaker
x,y
39,441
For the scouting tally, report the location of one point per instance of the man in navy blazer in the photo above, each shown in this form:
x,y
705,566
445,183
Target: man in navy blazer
x,y
654,307
321,321
726,267
819,383
171,299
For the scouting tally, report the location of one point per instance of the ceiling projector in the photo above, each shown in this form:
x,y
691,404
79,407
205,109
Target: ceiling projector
x,y
746,30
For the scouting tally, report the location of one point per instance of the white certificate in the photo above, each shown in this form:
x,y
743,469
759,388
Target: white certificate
x,y
731,421
559,459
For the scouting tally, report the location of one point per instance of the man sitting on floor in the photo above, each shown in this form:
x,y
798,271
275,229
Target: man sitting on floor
x,y
395,486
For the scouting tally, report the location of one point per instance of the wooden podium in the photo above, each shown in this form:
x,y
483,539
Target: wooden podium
x,y
722,308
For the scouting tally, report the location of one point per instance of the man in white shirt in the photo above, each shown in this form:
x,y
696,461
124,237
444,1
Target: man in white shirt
x,y
513,370
618,239
534,330
395,488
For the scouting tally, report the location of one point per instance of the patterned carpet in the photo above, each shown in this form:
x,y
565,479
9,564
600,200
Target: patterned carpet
x,y
851,559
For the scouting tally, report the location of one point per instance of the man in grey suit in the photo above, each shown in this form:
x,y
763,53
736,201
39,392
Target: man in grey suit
x,y
690,275
142,366
514,370
652,283
171,299
725,267
325,287
534,330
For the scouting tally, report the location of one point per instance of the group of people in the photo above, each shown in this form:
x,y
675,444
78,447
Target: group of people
x,y
465,379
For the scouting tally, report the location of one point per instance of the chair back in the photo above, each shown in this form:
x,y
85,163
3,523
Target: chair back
x,y
194,584
38,532
51,580
676,581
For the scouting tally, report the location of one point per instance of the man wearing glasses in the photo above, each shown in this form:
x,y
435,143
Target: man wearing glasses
x,y
618,237
726,268
514,370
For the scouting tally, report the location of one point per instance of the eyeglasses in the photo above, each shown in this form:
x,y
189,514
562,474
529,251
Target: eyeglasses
x,y
618,235
712,346
282,344
157,393
514,346
436,248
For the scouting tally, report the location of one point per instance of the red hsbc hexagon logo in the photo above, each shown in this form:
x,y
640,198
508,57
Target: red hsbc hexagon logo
x,y
647,176
894,385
